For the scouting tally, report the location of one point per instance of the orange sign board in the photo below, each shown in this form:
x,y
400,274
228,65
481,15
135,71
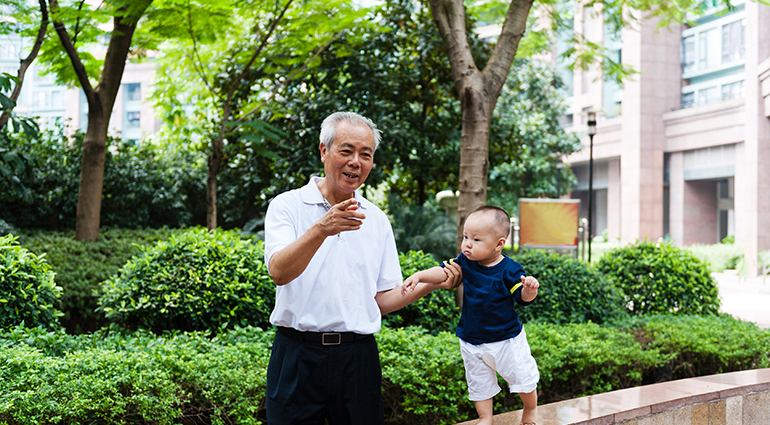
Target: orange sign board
x,y
548,223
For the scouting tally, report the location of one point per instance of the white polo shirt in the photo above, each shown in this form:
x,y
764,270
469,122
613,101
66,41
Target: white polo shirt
x,y
336,291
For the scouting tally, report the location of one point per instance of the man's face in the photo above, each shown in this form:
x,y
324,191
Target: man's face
x,y
349,159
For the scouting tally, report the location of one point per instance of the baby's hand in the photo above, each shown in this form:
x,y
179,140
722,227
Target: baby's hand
x,y
409,284
530,283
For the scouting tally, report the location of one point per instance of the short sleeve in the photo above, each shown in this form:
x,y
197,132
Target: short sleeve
x,y
281,225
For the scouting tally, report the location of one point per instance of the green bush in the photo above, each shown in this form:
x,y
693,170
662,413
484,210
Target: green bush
x,y
82,267
27,290
144,186
423,377
196,280
138,378
703,345
661,278
435,312
570,291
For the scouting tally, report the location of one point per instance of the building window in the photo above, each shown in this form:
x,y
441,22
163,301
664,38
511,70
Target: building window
x,y
132,119
707,95
133,92
732,90
708,49
688,54
733,35
688,99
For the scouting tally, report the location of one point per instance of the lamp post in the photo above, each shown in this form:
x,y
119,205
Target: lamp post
x,y
591,133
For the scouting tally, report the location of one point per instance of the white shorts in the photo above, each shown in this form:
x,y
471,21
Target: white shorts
x,y
511,358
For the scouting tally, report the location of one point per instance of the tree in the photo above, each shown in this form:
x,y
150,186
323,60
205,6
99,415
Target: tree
x,y
73,24
238,56
479,89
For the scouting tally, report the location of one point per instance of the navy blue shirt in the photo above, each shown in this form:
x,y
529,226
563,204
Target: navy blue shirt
x,y
489,297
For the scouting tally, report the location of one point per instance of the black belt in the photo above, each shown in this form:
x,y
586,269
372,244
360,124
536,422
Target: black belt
x,y
323,338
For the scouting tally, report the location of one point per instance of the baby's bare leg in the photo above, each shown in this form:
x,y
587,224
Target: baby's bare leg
x,y
529,414
485,409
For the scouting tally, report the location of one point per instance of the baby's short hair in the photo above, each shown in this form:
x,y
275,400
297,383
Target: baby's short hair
x,y
500,219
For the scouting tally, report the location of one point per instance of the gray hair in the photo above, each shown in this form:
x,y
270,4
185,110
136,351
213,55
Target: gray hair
x,y
329,127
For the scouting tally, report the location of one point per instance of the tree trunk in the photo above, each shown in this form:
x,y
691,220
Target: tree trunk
x,y
215,159
91,177
478,92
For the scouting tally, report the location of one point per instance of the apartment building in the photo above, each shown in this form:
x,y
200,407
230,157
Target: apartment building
x,y
682,149
53,103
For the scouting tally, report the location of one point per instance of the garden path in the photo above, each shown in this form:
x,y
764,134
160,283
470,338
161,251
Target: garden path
x,y
745,298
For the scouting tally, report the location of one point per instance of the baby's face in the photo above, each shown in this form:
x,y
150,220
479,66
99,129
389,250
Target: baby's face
x,y
480,240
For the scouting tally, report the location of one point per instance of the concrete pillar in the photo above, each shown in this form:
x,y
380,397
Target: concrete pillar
x,y
676,204
752,199
655,53
613,199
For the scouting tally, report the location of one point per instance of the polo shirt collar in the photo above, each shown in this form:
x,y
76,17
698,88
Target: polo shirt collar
x,y
312,195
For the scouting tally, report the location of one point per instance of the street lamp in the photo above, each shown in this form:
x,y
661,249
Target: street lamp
x,y
591,133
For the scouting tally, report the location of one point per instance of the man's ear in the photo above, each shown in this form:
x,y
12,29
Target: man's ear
x,y
322,149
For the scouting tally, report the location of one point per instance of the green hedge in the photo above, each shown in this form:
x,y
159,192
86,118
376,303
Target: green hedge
x,y
198,377
82,266
661,278
570,291
28,293
196,280
435,312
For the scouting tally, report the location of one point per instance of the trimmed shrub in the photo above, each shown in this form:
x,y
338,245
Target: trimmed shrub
x,y
197,280
570,291
703,345
423,377
83,266
27,290
661,278
435,312
138,378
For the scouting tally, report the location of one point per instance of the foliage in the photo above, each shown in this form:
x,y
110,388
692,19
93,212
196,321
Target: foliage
x,y
575,360
398,77
196,280
526,135
14,162
703,345
82,267
423,379
570,291
144,185
139,378
661,278
427,228
27,290
719,257
435,312
201,377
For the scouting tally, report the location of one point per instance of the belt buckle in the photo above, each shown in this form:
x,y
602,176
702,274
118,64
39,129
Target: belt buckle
x,y
331,338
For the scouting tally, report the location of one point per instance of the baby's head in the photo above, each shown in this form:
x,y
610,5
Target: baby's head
x,y
485,232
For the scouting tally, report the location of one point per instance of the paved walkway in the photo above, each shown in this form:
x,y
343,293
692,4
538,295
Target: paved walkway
x,y
744,298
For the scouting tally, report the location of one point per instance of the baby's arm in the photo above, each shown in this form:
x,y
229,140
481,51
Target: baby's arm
x,y
529,288
431,275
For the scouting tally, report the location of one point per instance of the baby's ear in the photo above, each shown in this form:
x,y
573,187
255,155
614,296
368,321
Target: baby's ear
x,y
500,244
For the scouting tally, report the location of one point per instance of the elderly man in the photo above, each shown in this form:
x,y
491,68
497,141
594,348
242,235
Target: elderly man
x,y
333,257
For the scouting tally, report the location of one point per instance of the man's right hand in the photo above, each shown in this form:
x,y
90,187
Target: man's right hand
x,y
342,217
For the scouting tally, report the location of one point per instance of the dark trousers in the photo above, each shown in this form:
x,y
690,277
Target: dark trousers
x,y
308,383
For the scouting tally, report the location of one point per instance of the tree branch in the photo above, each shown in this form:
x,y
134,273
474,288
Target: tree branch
x,y
450,20
256,54
287,79
72,53
194,58
499,64
26,62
